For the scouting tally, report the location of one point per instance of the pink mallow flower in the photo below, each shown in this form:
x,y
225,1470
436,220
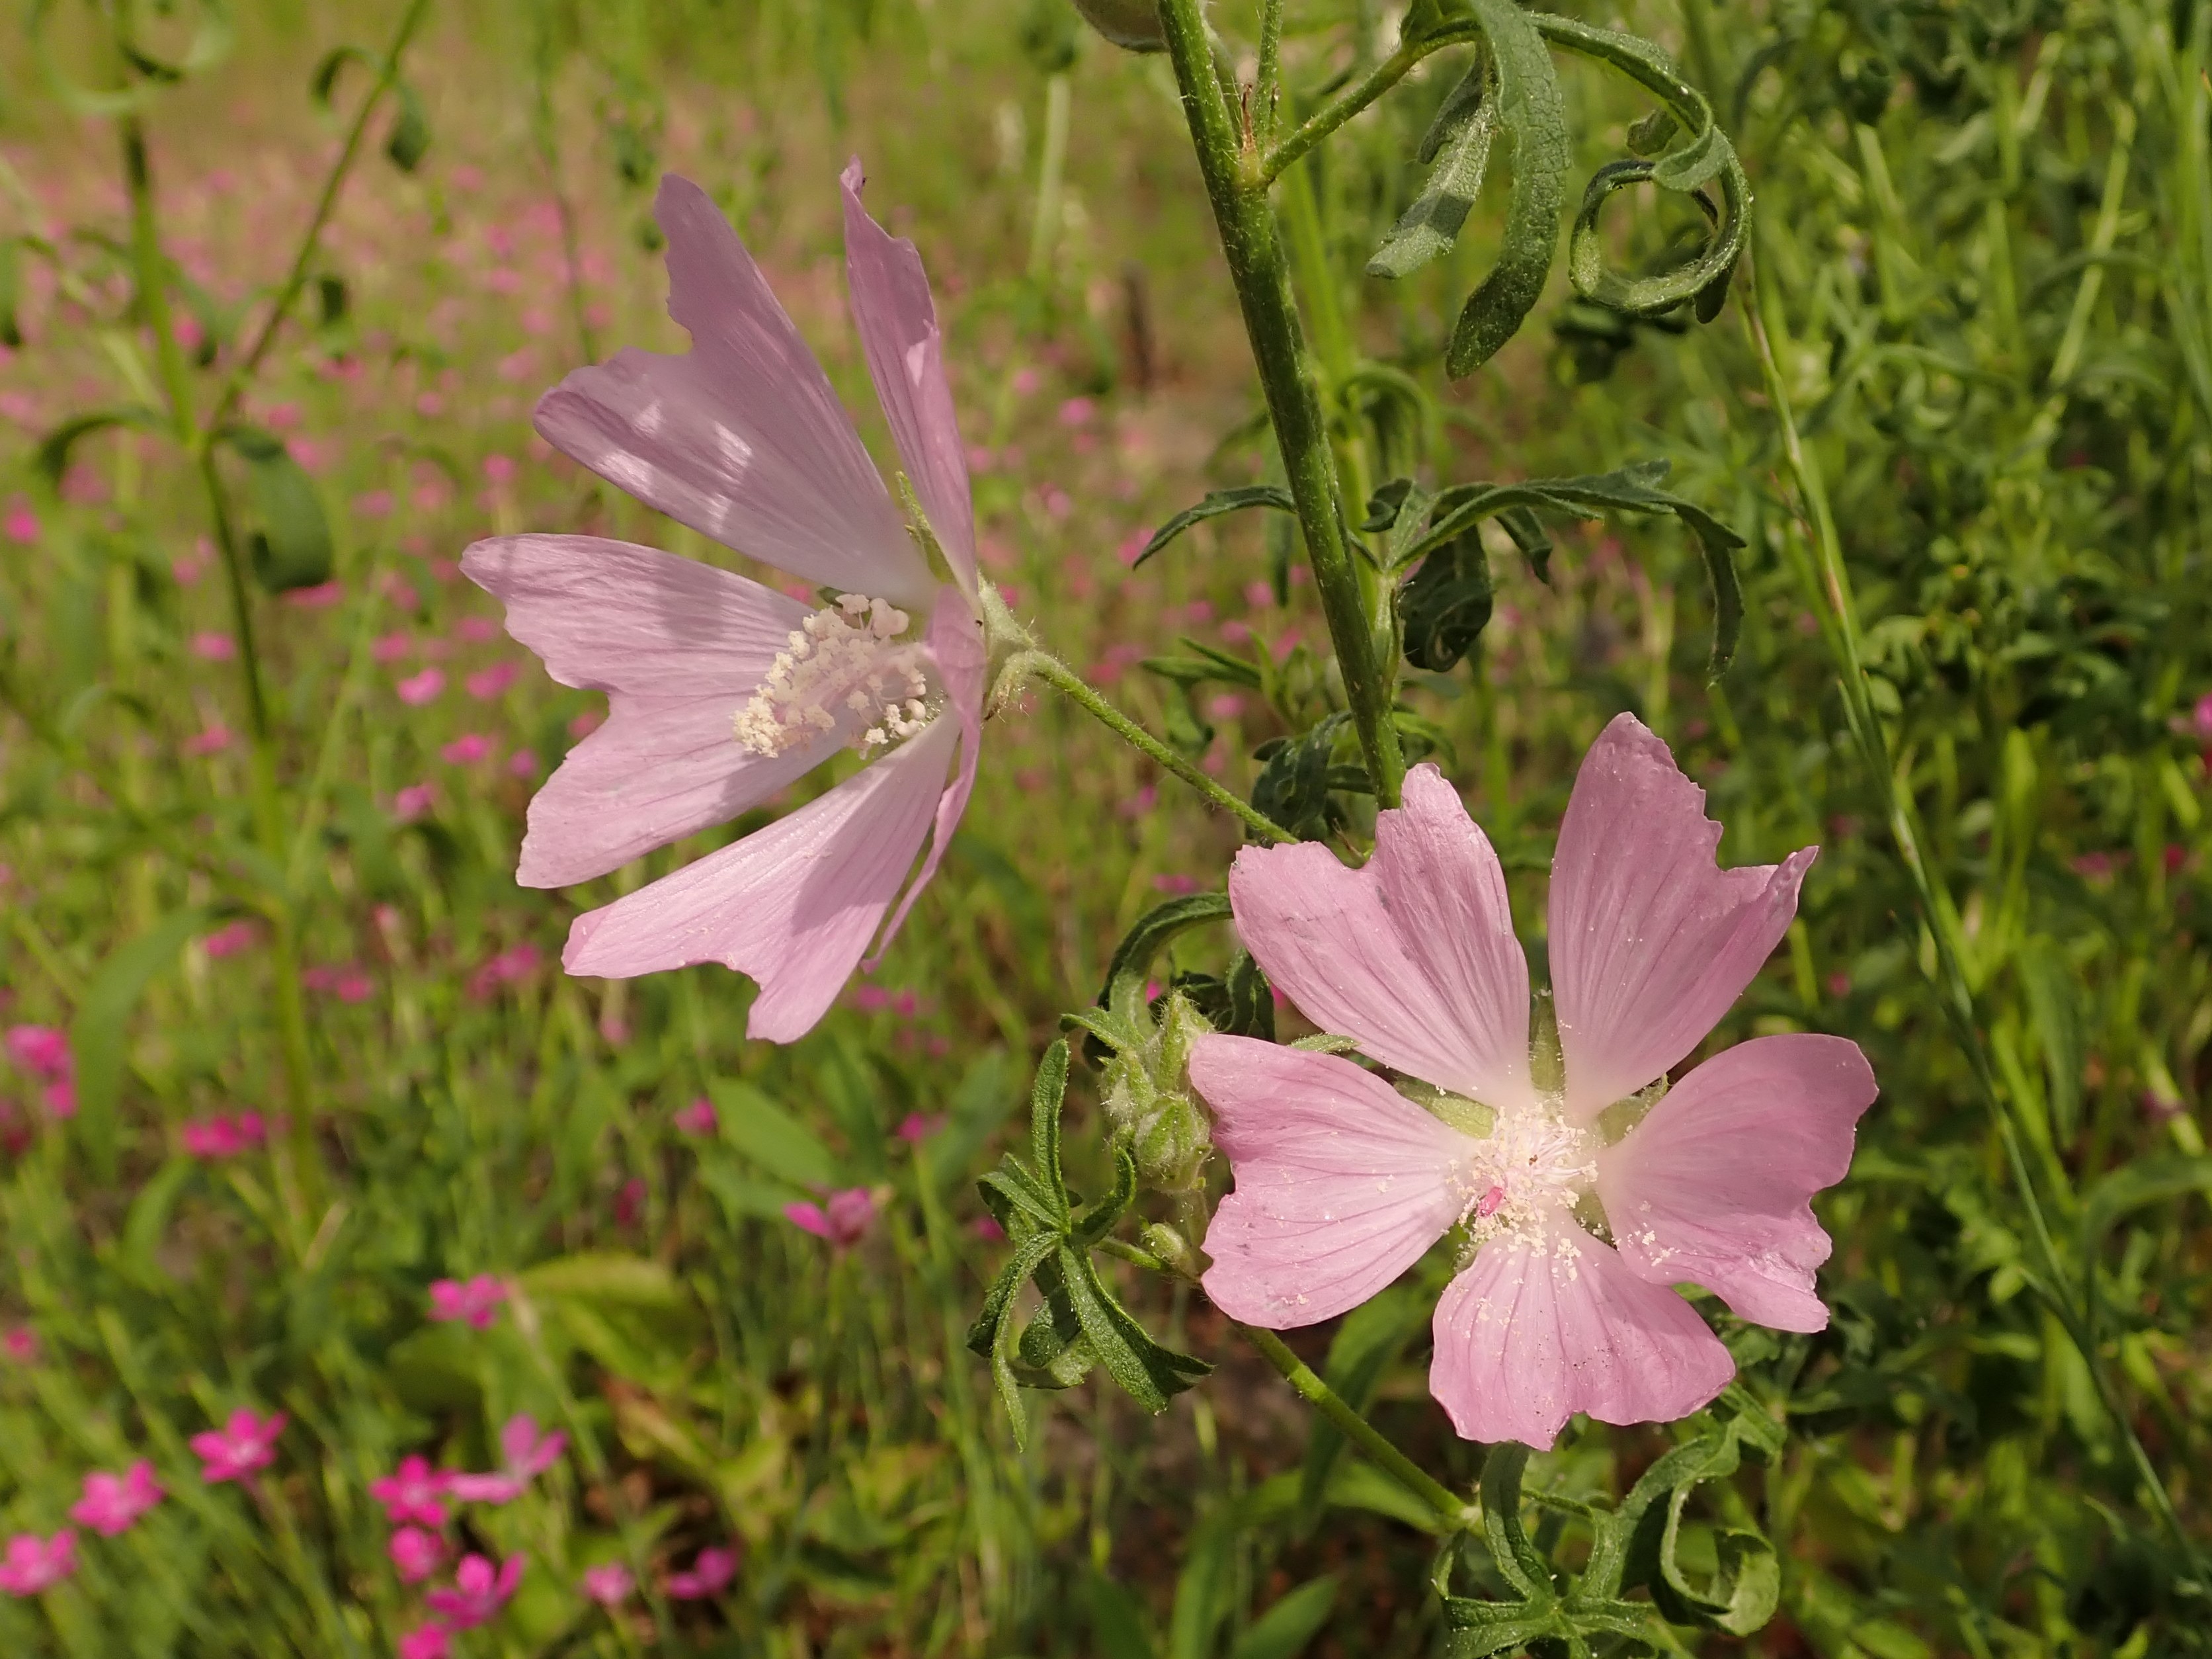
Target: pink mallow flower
x,y
709,1574
413,1493
478,1591
526,1455
111,1504
609,1585
475,1300
743,439
844,1218
1343,1183
35,1563
242,1445
415,1554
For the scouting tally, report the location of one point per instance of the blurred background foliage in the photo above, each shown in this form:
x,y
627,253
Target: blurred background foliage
x,y
1983,246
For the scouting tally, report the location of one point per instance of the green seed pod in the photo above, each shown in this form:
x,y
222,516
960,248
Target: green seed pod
x,y
1133,24
1148,1101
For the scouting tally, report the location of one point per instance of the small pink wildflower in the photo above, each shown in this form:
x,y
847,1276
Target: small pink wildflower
x,y
586,722
40,1050
414,802
523,764
2201,718
415,1554
214,647
742,439
320,597
1076,411
986,1229
485,684
476,630
526,1454
20,1344
245,1443
413,1493
214,740
1178,885
22,524
417,690
232,939
609,1585
915,1127
500,469
373,503
475,1300
111,1504
431,1641
225,1135
699,1118
710,1573
844,1219
630,1202
466,750
478,1592
1342,1183
59,1099
34,1564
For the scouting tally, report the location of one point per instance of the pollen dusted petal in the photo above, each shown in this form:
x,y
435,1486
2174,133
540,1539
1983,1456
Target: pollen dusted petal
x,y
897,320
792,905
678,646
1650,939
1413,955
1342,1183
1713,1188
741,437
1538,1329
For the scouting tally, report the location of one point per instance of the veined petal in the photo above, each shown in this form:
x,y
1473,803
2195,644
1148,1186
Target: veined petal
x,y
1535,1330
1413,955
741,437
793,904
897,320
1341,1182
1714,1186
955,644
678,646
1650,939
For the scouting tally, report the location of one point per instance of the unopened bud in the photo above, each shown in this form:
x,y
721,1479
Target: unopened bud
x,y
1148,1101
1133,24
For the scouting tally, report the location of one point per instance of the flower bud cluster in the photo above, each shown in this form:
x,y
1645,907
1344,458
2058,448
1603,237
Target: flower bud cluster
x,y
1148,1100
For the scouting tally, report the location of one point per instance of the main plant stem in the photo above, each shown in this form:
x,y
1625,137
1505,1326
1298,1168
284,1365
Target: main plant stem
x,y
1238,190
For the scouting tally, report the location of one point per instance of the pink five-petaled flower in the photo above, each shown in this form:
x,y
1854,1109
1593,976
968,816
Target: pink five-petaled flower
x,y
1343,1183
475,1300
431,1641
609,1585
526,1455
710,1573
413,1493
478,1591
723,690
35,1563
844,1218
415,1554
111,1504
242,1445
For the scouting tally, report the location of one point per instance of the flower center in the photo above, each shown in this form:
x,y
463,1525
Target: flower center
x,y
1532,1168
846,663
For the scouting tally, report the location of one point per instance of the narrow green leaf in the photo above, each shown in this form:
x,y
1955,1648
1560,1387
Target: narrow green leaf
x,y
1214,505
1531,110
323,83
1459,142
11,292
2054,1008
771,1138
50,459
2132,1185
1284,1629
98,1036
292,546
1046,1098
1443,611
409,139
607,1276
1147,937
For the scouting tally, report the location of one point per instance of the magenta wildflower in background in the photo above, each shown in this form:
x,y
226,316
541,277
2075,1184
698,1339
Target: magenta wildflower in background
x,y
224,1134
476,1299
231,940
418,689
478,1592
699,1118
485,684
111,1504
843,1219
42,1051
35,1564
214,648
22,524
245,1443
214,740
413,1493
723,690
526,1455
415,1554
710,1573
609,1585
466,750
414,802
1342,1183
432,1641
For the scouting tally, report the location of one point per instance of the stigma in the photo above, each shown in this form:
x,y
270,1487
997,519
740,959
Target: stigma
x,y
845,666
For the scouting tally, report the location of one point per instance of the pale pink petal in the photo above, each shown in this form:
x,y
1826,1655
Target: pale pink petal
x,y
898,320
1650,939
956,643
679,646
792,905
1536,1330
1342,1183
1413,955
1714,1186
741,437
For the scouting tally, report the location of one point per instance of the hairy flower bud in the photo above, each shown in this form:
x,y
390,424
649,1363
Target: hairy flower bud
x,y
1133,24
1149,1103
